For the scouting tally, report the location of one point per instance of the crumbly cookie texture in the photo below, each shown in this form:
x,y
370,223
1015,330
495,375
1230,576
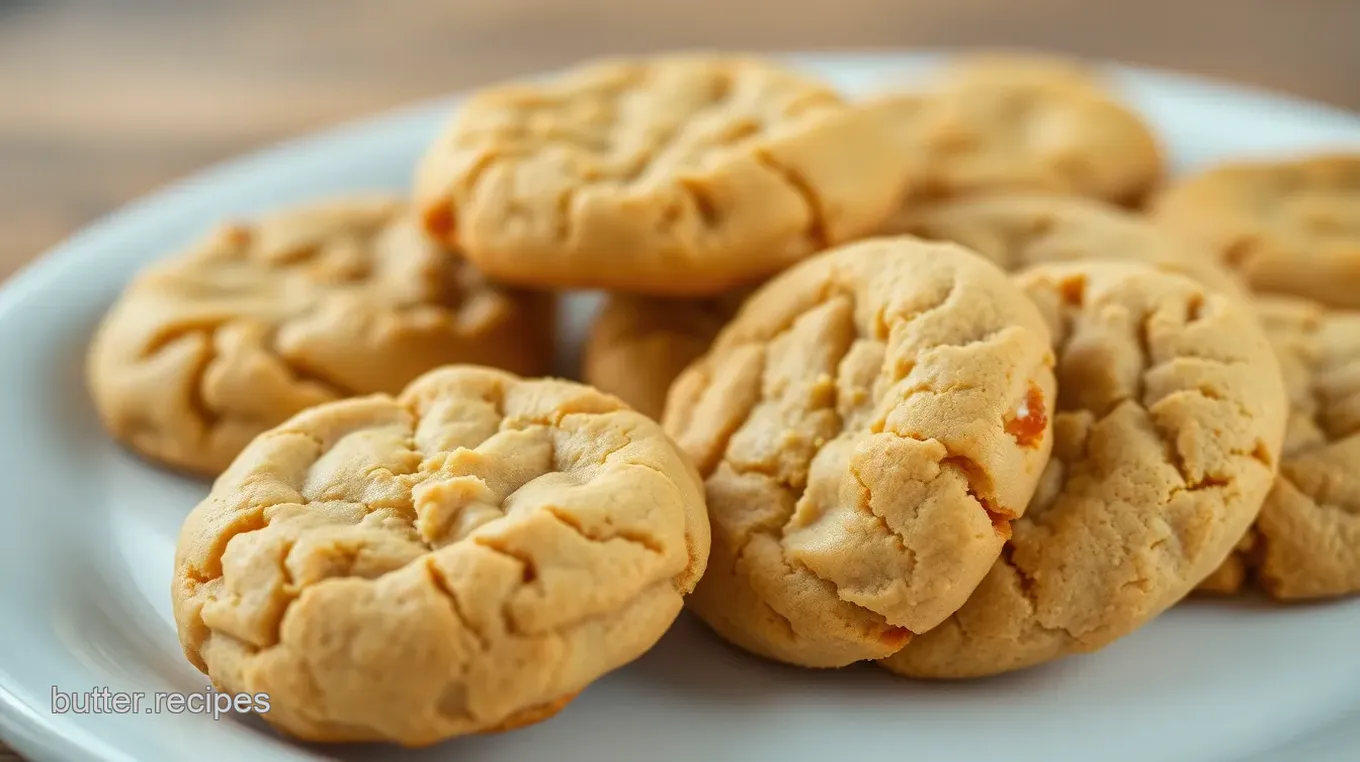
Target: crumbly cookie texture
x,y
1000,129
638,345
206,350
1019,230
677,175
1306,542
460,559
1167,435
1291,227
867,427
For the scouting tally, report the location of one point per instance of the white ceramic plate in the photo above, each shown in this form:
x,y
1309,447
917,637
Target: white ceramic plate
x,y
87,536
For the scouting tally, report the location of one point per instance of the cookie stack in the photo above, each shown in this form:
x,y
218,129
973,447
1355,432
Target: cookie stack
x,y
913,379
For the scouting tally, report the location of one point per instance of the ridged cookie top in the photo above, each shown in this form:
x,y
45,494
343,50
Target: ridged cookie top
x,y
1319,352
415,568
867,427
682,175
1167,435
1306,543
1039,127
260,320
1019,230
1291,227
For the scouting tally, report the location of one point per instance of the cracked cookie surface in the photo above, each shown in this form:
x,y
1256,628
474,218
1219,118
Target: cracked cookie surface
x,y
463,558
867,427
1167,434
1039,127
258,321
675,175
1306,542
1290,227
638,346
1019,230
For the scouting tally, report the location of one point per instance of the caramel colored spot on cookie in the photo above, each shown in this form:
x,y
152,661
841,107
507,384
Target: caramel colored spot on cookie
x,y
1030,419
1150,485
1001,519
1073,290
439,222
896,637
237,235
850,426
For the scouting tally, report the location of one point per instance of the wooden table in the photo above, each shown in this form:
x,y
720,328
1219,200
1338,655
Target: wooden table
x,y
101,102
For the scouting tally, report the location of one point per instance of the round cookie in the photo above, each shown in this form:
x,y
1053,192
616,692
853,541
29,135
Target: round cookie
x,y
206,350
1290,227
1018,230
867,427
1167,434
1306,542
675,175
1019,130
463,558
638,346
1011,67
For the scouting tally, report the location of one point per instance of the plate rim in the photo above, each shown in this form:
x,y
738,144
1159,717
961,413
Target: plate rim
x,y
39,736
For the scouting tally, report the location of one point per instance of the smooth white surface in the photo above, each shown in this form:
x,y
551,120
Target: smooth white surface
x,y
87,535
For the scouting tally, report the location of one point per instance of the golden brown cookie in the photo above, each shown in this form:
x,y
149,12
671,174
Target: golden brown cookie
x,y
206,350
867,428
1167,434
675,175
638,345
1233,573
1306,542
995,130
463,558
1290,227
1011,67
1018,230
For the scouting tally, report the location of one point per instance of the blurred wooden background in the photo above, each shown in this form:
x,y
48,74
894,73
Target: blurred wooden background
x,y
104,100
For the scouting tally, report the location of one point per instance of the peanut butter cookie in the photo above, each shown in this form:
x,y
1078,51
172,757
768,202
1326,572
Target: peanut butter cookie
x,y
460,559
680,175
867,428
998,129
638,345
208,349
1167,435
1011,67
1290,227
1306,542
1018,230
